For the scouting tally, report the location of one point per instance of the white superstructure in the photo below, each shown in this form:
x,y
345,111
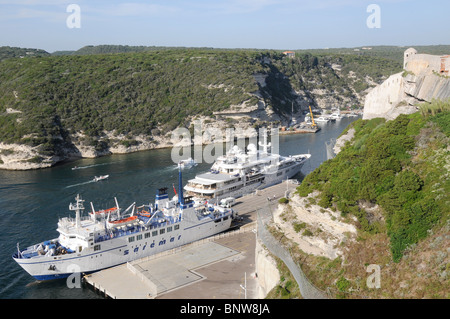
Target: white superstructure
x,y
106,238
238,173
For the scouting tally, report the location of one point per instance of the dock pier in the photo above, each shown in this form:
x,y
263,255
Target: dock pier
x,y
213,267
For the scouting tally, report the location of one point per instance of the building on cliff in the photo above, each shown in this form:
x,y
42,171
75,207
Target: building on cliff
x,y
425,77
289,54
425,63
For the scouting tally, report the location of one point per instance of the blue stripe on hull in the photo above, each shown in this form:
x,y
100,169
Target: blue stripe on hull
x,y
51,277
59,276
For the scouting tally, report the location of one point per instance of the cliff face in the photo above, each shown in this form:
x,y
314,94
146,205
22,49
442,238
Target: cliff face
x,y
424,79
383,99
427,87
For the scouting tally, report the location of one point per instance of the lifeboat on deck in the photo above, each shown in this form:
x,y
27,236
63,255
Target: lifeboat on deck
x,y
123,221
145,213
105,211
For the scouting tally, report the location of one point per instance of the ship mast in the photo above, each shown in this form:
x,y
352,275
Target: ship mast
x,y
180,188
77,208
264,144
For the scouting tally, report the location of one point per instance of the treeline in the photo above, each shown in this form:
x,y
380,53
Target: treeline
x,y
399,165
7,52
380,51
394,53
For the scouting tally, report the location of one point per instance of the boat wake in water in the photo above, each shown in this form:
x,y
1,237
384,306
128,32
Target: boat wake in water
x,y
79,184
89,166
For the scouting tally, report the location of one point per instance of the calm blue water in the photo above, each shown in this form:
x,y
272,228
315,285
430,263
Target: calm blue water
x,y
32,201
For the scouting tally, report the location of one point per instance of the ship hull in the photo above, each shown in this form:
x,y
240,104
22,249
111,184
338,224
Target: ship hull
x,y
269,180
119,250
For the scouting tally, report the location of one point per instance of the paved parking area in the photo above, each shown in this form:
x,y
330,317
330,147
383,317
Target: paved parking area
x,y
223,279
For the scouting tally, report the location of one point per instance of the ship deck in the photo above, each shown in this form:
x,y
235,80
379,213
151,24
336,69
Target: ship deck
x,y
175,275
210,178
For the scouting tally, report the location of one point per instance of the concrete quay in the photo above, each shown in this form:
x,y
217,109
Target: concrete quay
x,y
214,267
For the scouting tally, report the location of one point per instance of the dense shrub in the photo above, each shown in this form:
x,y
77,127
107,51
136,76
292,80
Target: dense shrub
x,y
377,168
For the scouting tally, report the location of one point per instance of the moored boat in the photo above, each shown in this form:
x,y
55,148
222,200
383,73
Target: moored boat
x,y
239,173
105,238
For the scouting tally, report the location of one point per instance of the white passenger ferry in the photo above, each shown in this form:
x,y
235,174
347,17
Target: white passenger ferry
x,y
238,173
106,238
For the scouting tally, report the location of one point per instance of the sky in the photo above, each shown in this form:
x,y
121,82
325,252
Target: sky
x,y
261,24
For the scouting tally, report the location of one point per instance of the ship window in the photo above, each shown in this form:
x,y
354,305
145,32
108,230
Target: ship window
x,y
280,173
130,239
96,247
177,227
154,233
162,231
138,237
147,235
169,229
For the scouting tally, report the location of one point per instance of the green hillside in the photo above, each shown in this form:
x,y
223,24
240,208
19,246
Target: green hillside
x,y
401,165
390,181
156,91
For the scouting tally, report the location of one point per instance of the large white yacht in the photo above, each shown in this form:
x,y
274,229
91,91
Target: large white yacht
x,y
238,173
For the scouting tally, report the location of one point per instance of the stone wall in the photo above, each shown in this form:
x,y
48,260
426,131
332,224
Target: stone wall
x,y
425,63
266,269
426,78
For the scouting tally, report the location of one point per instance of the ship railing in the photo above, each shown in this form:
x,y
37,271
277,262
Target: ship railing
x,y
68,222
200,186
135,229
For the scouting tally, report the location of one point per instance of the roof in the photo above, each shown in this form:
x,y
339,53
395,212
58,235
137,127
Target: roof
x,y
209,178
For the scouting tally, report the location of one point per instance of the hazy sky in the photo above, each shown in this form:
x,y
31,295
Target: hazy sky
x,y
267,24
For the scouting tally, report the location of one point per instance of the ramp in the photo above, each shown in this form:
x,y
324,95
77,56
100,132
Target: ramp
x,y
149,278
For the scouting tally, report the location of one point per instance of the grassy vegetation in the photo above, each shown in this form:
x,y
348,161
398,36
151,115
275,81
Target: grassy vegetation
x,y
399,165
287,288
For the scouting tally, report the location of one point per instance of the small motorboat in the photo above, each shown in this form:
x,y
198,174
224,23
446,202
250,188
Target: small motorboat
x,y
322,119
187,163
99,178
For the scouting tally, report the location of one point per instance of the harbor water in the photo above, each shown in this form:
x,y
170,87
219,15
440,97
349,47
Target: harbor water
x,y
31,202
